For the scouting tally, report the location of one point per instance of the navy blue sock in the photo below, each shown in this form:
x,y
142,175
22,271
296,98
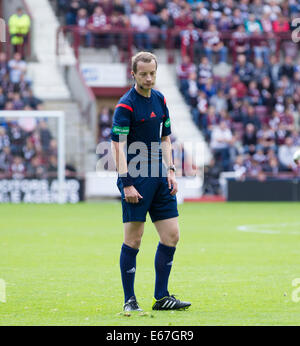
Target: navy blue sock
x,y
163,264
128,267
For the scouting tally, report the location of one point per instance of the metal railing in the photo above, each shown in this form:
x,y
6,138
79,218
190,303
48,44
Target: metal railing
x,y
169,39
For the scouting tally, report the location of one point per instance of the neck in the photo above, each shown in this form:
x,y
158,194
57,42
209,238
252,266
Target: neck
x,y
143,92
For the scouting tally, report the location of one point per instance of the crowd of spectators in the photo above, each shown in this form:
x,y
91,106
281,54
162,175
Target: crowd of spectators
x,y
205,20
27,149
15,87
251,118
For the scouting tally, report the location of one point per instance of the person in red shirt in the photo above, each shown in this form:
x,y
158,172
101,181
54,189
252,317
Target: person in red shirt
x,y
239,86
281,24
97,21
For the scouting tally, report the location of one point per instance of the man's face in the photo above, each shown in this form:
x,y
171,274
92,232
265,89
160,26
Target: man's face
x,y
145,75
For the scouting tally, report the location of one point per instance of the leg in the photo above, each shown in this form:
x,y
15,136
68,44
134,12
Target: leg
x,y
168,231
133,232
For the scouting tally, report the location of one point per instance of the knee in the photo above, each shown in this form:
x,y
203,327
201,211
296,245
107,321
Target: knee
x,y
133,243
172,238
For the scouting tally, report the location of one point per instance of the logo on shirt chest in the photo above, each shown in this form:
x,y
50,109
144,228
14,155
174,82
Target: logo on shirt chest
x,y
152,115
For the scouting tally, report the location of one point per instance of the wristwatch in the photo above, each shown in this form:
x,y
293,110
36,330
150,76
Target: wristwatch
x,y
172,168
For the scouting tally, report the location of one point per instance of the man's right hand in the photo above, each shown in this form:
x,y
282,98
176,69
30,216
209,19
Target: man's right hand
x,y
131,194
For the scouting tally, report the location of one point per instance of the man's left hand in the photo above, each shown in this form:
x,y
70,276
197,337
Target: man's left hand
x,y
172,183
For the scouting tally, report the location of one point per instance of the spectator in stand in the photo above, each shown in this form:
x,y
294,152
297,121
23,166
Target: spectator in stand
x,y
18,67
237,19
272,9
260,70
244,69
31,100
19,25
224,23
287,68
211,178
281,24
183,19
36,168
105,121
119,21
209,88
266,23
165,22
18,104
205,71
219,101
239,167
45,135
253,25
4,68
52,167
191,92
183,71
256,7
2,99
28,150
221,141
199,20
266,138
17,168
286,153
251,117
240,42
213,44
199,112
266,91
4,138
239,86
98,21
82,20
141,23
150,10
250,139
71,10
272,166
209,121
5,159
254,97
107,7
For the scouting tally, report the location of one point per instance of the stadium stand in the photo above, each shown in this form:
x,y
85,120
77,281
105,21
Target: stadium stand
x,y
238,73
253,39
27,147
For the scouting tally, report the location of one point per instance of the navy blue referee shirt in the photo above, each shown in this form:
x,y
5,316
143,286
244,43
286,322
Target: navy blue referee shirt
x,y
142,121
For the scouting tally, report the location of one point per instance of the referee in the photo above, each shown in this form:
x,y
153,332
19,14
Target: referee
x,y
141,124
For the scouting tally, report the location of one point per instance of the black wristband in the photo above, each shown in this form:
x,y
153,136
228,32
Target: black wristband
x,y
126,181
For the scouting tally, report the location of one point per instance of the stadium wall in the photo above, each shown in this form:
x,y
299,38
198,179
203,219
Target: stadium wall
x,y
273,190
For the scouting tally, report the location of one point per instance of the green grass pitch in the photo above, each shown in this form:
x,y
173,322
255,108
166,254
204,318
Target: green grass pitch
x,y
235,262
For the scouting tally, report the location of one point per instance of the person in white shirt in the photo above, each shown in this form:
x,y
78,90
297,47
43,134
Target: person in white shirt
x,y
286,153
141,23
221,141
18,67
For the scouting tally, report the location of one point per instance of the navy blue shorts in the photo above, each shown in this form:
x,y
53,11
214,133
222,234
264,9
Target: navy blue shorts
x,y
157,200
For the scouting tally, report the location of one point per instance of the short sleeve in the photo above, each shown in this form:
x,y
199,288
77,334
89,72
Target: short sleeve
x,y
121,122
166,131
